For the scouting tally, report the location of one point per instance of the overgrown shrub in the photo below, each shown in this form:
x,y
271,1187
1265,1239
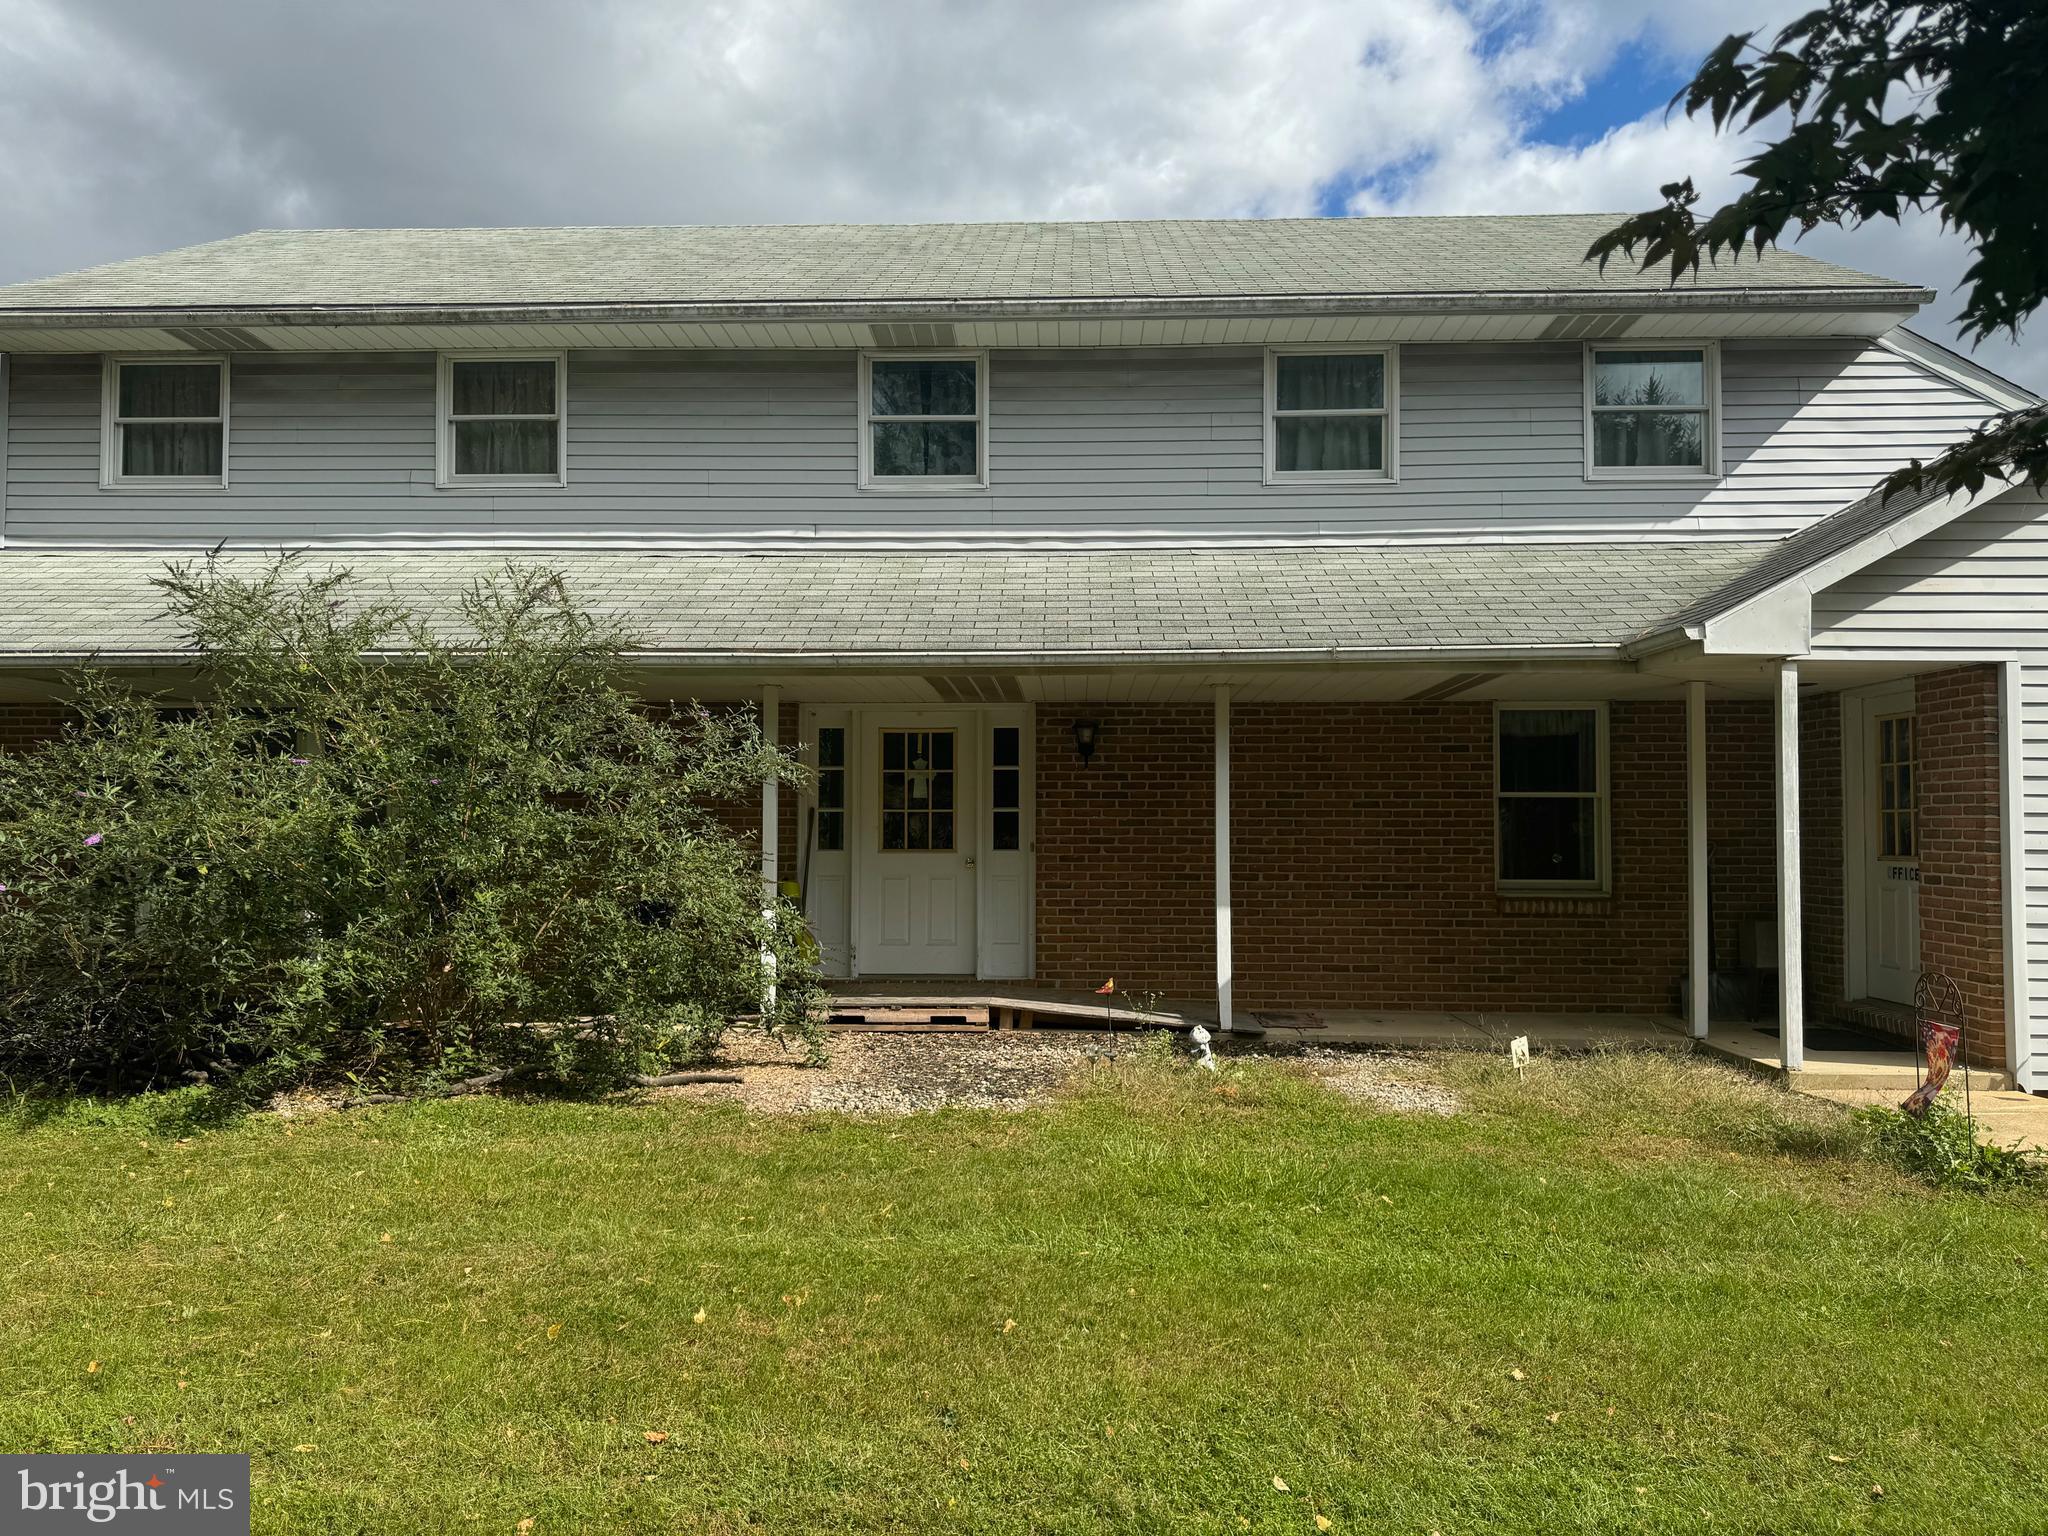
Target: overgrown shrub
x,y
384,847
1942,1148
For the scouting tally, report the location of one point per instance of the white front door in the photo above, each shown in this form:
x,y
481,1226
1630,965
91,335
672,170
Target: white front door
x,y
917,824
1891,841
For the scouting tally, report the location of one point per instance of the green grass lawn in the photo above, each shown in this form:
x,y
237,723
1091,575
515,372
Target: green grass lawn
x,y
1610,1300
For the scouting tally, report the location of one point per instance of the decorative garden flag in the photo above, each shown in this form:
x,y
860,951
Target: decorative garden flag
x,y
1939,1041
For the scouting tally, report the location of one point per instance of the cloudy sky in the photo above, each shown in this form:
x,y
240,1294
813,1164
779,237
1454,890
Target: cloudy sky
x,y
138,125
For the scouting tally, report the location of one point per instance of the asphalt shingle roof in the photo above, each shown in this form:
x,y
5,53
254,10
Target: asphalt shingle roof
x,y
1808,548
912,608
828,263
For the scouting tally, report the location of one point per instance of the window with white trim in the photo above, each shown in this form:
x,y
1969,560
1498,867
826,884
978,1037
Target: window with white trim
x,y
924,420
501,419
1550,786
166,422
1652,411
1331,414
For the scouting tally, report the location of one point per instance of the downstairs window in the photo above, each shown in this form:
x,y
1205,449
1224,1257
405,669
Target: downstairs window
x,y
1551,797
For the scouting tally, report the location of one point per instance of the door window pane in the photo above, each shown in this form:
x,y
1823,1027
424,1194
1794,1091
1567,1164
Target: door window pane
x,y
1006,787
831,789
917,791
1897,808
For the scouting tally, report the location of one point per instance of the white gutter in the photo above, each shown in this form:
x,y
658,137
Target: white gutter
x,y
862,311
1496,655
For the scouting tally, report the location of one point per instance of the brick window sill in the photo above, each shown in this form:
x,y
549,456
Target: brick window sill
x,y
1526,905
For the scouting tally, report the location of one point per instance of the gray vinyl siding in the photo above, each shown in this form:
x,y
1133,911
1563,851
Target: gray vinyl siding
x,y
1978,585
1162,445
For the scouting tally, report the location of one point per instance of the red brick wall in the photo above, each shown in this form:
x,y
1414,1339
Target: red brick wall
x,y
29,725
1362,855
1961,926
1125,885
1742,847
1820,850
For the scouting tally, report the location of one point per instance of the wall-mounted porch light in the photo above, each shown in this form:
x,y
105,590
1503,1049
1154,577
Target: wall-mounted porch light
x,y
1084,739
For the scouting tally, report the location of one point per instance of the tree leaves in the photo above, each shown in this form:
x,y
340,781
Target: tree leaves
x,y
388,845
1894,107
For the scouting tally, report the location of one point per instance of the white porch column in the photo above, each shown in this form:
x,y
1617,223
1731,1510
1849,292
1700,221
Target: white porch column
x,y
771,826
1223,958
1700,984
1791,987
2012,813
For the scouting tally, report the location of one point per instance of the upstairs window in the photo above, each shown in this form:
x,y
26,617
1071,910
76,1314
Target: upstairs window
x,y
1652,412
1330,414
1551,797
501,420
924,421
166,422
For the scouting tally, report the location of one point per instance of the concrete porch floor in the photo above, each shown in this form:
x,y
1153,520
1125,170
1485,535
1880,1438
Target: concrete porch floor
x,y
1872,1070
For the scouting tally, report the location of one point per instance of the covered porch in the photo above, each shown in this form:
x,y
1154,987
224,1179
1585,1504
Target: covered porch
x,y
1317,851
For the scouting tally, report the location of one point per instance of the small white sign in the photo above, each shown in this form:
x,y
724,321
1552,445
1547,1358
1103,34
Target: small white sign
x,y
1518,1052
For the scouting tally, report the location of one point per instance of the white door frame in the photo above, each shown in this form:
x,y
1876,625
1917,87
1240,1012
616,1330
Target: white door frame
x,y
1861,706
858,723
868,724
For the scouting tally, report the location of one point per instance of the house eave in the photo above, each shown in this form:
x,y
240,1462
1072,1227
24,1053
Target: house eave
x,y
925,661
1587,301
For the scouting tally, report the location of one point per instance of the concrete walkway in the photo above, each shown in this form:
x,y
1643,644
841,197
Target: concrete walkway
x,y
2004,1115
1862,1078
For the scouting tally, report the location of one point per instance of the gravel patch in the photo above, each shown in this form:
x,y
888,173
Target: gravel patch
x,y
903,1074
1380,1078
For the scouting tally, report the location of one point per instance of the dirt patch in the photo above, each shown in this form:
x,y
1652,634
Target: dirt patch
x,y
885,1074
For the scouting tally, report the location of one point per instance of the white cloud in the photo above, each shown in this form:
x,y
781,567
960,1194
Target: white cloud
x,y
132,125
